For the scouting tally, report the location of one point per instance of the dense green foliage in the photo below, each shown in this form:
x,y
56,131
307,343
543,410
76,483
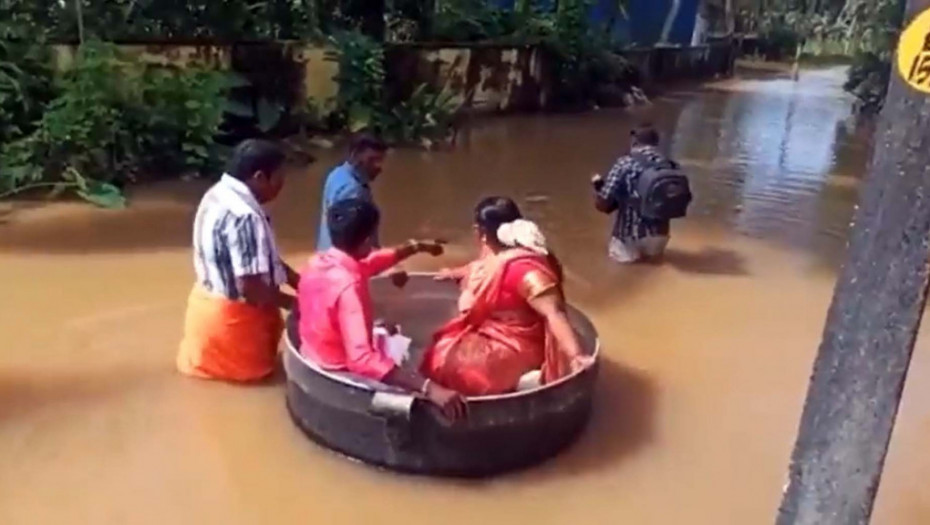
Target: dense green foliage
x,y
113,118
362,105
578,53
106,119
160,19
471,21
25,86
360,78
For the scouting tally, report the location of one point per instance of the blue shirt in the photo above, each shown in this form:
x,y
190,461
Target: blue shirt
x,y
344,182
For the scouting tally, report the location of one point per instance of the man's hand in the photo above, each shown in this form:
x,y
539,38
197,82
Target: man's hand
x,y
452,404
392,328
293,278
597,181
434,247
449,274
399,278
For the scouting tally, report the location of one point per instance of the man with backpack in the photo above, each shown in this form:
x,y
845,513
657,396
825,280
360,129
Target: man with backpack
x,y
647,191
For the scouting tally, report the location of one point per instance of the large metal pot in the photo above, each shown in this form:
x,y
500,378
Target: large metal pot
x,y
388,428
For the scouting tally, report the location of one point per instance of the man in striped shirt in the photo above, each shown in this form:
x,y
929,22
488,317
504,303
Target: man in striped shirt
x,y
233,323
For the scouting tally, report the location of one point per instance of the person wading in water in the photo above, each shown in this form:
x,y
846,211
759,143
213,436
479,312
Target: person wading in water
x,y
233,322
352,180
647,191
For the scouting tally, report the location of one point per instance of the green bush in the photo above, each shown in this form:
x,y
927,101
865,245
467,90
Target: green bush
x,y
177,119
868,79
184,19
870,73
361,103
578,54
116,117
779,42
471,21
426,116
25,86
361,79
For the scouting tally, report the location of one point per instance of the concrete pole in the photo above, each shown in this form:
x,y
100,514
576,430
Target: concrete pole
x,y
871,327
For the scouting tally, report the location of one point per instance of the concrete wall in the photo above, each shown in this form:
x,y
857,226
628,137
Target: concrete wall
x,y
482,78
485,78
502,79
216,56
319,78
288,71
670,64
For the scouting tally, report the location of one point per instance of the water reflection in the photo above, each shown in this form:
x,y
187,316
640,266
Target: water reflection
x,y
765,153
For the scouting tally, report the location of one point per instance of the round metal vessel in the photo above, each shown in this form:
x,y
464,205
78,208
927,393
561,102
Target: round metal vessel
x,y
388,428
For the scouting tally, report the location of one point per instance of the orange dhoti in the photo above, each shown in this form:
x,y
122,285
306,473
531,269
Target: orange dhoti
x,y
228,340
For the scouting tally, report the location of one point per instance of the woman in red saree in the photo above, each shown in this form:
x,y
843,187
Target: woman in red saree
x,y
512,318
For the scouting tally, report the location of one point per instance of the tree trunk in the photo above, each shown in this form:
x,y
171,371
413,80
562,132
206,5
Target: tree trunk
x,y
862,363
729,16
79,14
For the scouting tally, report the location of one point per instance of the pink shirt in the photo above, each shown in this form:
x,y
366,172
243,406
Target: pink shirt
x,y
335,312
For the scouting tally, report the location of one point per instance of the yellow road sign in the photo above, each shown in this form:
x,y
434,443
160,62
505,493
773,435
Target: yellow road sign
x,y
914,53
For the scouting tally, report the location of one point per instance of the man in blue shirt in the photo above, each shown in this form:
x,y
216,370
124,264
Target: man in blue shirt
x,y
351,180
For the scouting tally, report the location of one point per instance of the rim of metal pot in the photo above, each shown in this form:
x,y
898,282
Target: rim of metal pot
x,y
350,382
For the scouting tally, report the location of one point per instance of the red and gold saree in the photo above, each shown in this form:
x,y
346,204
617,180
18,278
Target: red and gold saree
x,y
498,337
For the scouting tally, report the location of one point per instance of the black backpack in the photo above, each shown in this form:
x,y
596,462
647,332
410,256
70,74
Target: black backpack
x,y
662,192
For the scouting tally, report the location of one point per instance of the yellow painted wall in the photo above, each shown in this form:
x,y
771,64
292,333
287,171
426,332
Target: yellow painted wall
x,y
319,75
209,56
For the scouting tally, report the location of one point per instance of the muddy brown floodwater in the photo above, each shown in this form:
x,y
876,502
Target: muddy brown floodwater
x,y
707,357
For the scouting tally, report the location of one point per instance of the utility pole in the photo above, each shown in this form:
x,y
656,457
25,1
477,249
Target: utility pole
x,y
878,303
79,14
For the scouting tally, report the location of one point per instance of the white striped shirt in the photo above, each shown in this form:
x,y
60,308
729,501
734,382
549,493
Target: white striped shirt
x,y
233,239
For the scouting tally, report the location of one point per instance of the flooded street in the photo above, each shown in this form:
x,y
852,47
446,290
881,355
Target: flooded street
x,y
706,357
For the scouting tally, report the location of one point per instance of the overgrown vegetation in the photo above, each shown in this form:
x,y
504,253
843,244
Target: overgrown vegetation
x,y
579,53
170,19
864,30
471,21
25,87
108,119
113,118
362,105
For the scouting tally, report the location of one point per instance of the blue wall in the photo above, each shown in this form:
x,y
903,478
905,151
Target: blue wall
x,y
647,17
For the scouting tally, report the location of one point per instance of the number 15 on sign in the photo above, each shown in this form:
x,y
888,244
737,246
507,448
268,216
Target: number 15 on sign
x,y
914,53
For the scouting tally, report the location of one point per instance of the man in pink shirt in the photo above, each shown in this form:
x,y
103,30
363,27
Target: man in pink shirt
x,y
335,307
